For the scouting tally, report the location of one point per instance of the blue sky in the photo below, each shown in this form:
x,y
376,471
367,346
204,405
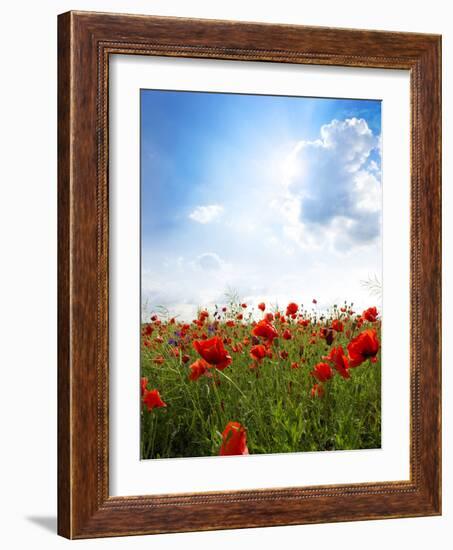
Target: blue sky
x,y
277,198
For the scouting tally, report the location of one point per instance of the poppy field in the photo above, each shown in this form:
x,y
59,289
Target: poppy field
x,y
242,379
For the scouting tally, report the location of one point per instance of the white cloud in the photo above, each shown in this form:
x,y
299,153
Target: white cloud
x,y
206,214
334,199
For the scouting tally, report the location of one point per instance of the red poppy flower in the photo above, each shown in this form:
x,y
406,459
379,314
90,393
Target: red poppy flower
x,y
230,324
185,358
287,335
291,308
269,317
143,384
262,306
154,318
362,347
152,400
243,306
317,391
203,314
159,360
266,330
339,361
258,352
370,314
328,335
294,365
234,440
197,369
239,316
148,329
283,355
214,352
322,372
337,325
315,301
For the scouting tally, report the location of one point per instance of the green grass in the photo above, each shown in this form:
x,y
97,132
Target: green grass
x,y
273,402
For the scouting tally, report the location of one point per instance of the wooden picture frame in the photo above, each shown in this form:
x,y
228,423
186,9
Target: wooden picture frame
x,y
85,42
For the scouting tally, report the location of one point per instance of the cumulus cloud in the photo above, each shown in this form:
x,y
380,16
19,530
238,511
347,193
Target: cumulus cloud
x,y
206,214
334,195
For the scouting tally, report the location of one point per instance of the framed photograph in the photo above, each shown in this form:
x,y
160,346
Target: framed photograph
x,y
249,275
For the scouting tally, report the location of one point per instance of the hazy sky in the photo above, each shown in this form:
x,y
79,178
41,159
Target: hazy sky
x,y
278,198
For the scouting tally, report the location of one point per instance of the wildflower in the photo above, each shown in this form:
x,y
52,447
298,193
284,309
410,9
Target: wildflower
x,y
328,335
266,330
234,440
317,391
370,314
152,400
258,352
143,384
337,325
362,347
291,308
322,372
197,369
147,330
262,306
287,335
213,352
339,361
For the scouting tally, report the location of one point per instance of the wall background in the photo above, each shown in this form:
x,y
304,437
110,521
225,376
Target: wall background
x,y
28,123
